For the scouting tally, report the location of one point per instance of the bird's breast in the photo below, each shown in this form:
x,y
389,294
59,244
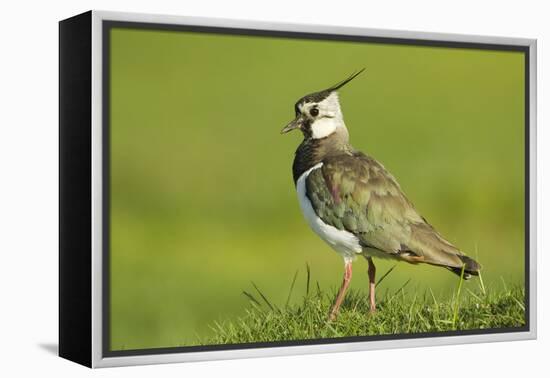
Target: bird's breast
x,y
342,241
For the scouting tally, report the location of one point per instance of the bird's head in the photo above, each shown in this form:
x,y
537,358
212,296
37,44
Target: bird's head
x,y
318,114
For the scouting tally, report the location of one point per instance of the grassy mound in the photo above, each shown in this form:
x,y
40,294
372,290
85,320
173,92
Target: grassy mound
x,y
400,312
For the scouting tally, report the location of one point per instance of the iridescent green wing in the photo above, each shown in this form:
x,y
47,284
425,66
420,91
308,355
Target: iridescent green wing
x,y
354,192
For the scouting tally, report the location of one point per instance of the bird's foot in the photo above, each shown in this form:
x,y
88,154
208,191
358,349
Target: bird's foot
x,y
372,309
332,316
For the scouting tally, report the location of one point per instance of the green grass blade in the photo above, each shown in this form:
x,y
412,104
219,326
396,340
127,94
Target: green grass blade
x,y
481,284
402,287
291,289
308,278
251,297
474,295
263,297
521,305
385,275
457,301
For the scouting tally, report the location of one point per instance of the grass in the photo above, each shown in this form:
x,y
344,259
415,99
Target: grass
x,y
399,312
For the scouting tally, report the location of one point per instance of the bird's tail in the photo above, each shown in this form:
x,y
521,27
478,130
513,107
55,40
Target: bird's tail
x,y
471,267
435,250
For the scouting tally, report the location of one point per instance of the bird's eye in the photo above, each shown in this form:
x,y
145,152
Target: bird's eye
x,y
314,112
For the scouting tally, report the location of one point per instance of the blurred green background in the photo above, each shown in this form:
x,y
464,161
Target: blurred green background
x,y
202,198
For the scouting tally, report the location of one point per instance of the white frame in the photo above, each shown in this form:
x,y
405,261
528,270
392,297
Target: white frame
x,y
97,358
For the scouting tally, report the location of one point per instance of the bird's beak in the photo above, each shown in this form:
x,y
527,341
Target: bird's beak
x,y
294,124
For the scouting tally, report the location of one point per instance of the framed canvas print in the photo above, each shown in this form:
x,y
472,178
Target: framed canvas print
x,y
237,189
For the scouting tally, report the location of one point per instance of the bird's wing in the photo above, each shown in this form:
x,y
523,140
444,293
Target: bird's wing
x,y
354,192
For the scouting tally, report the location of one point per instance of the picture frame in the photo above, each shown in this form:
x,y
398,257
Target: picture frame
x,y
85,112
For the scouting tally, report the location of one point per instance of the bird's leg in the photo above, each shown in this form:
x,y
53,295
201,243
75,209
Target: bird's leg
x,y
372,285
342,292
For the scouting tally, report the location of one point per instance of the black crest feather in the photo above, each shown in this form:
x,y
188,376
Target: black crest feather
x,y
339,85
321,95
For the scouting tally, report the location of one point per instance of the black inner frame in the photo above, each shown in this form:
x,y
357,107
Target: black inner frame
x,y
107,26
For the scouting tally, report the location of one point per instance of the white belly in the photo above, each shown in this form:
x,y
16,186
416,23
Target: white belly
x,y
343,242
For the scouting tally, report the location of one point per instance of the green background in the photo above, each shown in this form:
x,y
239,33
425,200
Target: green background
x,y
202,198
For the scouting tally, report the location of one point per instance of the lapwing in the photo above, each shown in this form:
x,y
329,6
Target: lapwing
x,y
354,204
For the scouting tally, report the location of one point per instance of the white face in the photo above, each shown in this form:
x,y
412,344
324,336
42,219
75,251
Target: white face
x,y
325,117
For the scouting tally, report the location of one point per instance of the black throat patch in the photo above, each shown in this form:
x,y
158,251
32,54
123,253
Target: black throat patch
x,y
307,155
313,151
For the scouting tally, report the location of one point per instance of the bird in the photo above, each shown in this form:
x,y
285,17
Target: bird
x,y
354,204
